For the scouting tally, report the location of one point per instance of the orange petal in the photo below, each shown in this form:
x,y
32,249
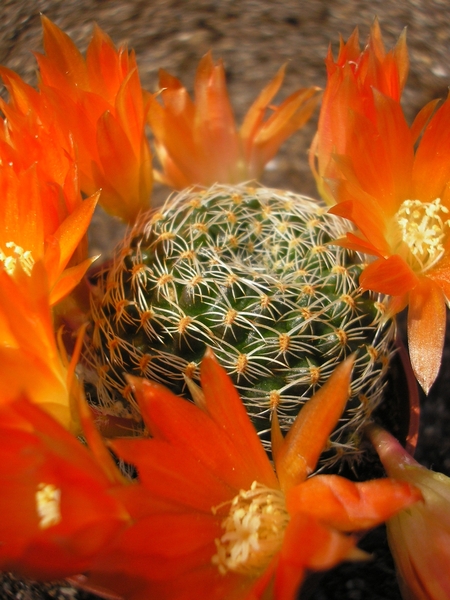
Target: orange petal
x,y
173,175
174,141
350,117
396,304
68,280
24,303
363,210
23,97
25,310
215,124
289,116
255,114
22,371
158,464
176,97
397,148
386,71
308,435
73,228
177,421
353,242
339,99
399,68
103,66
224,405
116,155
126,189
390,276
349,506
426,331
131,111
433,156
260,588
23,214
422,118
349,51
288,580
276,437
136,569
440,274
173,127
63,54
381,153
308,544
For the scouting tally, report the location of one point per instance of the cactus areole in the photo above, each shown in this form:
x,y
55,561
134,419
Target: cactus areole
x,y
253,273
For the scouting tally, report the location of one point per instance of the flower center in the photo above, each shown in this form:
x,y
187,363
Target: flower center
x,y
16,254
48,498
254,530
423,227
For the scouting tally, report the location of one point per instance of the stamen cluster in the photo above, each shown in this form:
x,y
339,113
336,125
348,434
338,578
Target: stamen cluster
x,y
16,255
424,228
48,498
254,530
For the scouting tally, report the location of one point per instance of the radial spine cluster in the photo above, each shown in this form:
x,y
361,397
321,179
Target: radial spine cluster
x,y
253,273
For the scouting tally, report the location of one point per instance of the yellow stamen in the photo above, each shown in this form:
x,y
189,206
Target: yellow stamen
x,y
48,498
16,255
254,530
423,227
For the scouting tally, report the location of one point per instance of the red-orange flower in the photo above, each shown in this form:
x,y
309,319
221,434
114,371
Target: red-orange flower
x,y
95,104
197,142
42,213
35,225
212,519
381,181
57,503
351,79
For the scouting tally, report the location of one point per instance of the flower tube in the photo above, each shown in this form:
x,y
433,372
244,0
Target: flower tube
x,y
419,537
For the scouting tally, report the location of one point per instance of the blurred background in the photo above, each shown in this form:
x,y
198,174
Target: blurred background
x,y
254,38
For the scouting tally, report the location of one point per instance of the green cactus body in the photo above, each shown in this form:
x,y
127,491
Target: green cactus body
x,y
253,273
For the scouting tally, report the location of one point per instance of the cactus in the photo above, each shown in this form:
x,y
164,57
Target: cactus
x,y
253,273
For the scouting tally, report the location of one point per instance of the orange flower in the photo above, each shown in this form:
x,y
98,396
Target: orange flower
x,y
197,142
31,360
34,226
383,185
57,503
419,537
104,96
351,79
212,519
96,104
42,214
